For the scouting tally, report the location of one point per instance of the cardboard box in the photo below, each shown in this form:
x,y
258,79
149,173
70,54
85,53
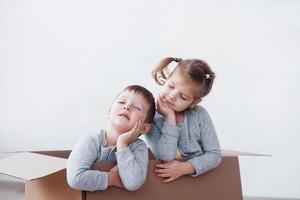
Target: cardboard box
x,y
45,177
44,173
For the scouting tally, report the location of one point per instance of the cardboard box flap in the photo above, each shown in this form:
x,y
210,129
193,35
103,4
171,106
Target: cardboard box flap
x,y
227,152
29,166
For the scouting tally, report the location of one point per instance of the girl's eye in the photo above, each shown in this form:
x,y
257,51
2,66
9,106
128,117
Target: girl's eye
x,y
171,86
120,102
184,97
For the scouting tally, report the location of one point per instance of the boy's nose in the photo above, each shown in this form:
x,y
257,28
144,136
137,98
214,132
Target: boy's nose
x,y
125,107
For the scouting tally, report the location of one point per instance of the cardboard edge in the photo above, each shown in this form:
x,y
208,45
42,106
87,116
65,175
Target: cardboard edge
x,y
228,152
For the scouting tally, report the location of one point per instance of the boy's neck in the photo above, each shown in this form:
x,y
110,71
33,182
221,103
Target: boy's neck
x,y
111,136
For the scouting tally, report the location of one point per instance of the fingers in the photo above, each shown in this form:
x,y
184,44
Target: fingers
x,y
137,126
161,171
161,165
163,175
168,180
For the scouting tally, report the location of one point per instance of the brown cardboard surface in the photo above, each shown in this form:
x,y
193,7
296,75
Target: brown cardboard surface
x,y
53,186
221,183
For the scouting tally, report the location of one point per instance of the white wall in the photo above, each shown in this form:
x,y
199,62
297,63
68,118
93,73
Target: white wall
x,y
63,62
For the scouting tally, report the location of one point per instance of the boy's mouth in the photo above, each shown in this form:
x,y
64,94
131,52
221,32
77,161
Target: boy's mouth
x,y
124,115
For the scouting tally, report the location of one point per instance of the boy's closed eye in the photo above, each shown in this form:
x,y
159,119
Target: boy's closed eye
x,y
137,108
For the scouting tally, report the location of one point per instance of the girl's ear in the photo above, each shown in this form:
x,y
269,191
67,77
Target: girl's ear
x,y
195,103
146,128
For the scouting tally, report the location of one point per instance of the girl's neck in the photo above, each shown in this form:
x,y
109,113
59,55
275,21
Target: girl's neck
x,y
179,117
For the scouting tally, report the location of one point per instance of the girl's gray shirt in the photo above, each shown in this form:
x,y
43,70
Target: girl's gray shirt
x,y
195,138
132,163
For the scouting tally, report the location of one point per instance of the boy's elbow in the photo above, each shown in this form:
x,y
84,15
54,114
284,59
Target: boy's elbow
x,y
73,182
132,186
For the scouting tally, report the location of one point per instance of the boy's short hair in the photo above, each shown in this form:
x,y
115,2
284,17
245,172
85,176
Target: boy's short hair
x,y
148,97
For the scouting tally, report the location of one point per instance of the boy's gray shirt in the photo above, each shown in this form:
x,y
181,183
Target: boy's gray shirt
x,y
132,163
195,138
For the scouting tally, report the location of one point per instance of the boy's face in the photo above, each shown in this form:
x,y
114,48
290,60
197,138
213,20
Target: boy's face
x,y
126,110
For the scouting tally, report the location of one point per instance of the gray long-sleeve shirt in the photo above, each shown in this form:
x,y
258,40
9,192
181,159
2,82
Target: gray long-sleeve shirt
x,y
132,163
195,138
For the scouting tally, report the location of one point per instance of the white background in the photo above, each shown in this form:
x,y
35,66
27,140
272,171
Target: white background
x,y
63,62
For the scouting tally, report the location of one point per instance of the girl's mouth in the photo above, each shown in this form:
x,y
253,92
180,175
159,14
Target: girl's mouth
x,y
168,103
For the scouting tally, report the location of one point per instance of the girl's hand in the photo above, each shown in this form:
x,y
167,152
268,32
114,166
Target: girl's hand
x,y
130,136
174,169
114,178
166,111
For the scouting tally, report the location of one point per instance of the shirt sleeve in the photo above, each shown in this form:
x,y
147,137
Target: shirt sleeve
x,y
209,142
79,175
133,165
163,141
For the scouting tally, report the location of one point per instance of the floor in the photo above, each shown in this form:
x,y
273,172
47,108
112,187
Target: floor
x,y
14,189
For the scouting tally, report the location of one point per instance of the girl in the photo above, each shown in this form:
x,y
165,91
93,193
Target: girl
x,y
182,134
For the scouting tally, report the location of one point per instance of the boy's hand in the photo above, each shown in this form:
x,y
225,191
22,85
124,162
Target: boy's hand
x,y
114,178
174,169
130,136
166,111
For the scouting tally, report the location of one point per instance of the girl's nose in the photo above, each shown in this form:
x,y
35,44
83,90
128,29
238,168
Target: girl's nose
x,y
172,96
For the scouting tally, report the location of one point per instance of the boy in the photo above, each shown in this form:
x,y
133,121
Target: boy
x,y
129,117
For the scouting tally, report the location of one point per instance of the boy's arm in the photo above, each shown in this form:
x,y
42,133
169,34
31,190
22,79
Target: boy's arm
x,y
79,175
210,145
133,165
163,141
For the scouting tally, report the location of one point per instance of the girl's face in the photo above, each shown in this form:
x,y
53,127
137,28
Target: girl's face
x,y
180,93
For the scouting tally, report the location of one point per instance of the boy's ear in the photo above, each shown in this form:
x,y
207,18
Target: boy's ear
x,y
195,103
146,128
108,111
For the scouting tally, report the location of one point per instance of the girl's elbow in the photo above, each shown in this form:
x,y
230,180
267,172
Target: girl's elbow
x,y
165,157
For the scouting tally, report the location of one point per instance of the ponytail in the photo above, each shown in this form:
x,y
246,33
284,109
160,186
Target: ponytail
x,y
209,80
160,73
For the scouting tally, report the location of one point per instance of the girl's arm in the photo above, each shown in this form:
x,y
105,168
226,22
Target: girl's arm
x,y
79,175
210,145
132,164
162,140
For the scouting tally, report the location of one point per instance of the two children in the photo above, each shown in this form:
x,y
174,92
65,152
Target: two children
x,y
182,133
